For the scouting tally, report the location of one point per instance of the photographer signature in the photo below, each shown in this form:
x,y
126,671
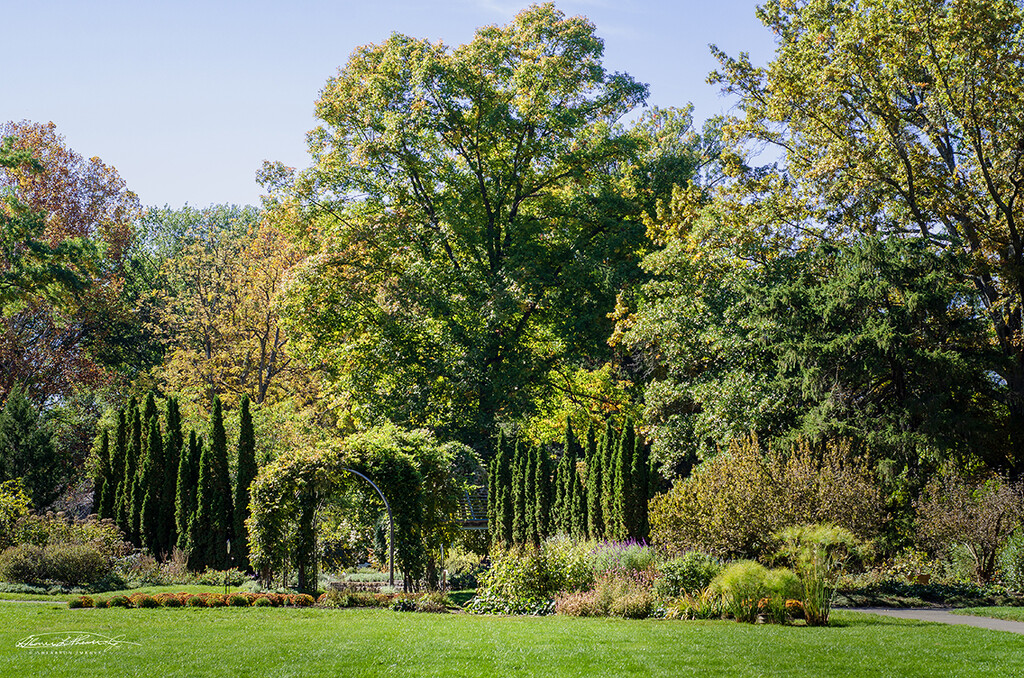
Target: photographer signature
x,y
71,639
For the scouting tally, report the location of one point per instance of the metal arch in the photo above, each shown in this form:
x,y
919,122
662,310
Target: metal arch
x,y
391,527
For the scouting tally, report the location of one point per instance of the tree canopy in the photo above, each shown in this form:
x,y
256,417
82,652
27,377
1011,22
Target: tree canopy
x,y
468,220
899,117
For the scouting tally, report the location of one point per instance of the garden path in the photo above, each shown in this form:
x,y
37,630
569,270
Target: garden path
x,y
942,615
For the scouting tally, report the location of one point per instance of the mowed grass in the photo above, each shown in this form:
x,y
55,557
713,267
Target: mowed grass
x,y
1010,613
316,642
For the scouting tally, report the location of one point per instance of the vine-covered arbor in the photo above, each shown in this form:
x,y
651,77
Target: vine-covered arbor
x,y
425,482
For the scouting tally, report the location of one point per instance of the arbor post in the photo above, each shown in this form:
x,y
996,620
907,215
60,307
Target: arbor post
x,y
391,527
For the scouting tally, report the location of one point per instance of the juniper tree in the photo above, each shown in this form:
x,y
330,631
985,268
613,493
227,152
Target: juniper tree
x,y
640,490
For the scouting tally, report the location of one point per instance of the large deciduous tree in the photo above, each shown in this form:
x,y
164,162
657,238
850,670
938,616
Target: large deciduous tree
x,y
76,218
902,116
468,230
221,269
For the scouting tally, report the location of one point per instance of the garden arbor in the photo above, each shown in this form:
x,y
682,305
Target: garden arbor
x,y
421,478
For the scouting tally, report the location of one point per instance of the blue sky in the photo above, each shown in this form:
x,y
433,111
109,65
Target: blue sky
x,y
186,99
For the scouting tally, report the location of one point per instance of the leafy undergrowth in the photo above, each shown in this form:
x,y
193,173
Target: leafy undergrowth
x,y
901,594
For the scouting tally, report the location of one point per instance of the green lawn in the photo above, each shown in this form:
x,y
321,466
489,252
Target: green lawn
x,y
1011,613
315,642
151,590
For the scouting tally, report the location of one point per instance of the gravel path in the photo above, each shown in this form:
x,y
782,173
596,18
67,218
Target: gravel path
x,y
942,615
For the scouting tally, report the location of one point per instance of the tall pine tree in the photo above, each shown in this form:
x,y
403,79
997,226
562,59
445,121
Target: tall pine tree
x,y
246,474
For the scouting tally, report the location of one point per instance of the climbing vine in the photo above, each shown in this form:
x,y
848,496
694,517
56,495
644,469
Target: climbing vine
x,y
421,478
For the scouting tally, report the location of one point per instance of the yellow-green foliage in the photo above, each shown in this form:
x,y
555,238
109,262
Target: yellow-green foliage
x,y
735,502
526,573
14,505
747,588
818,554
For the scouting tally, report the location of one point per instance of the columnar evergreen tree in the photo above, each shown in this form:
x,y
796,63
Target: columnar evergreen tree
x,y
505,498
623,499
172,453
102,479
559,512
520,525
246,473
589,445
185,498
575,453
637,526
127,517
140,481
595,483
213,516
117,458
576,525
530,500
608,448
151,484
493,490
542,494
